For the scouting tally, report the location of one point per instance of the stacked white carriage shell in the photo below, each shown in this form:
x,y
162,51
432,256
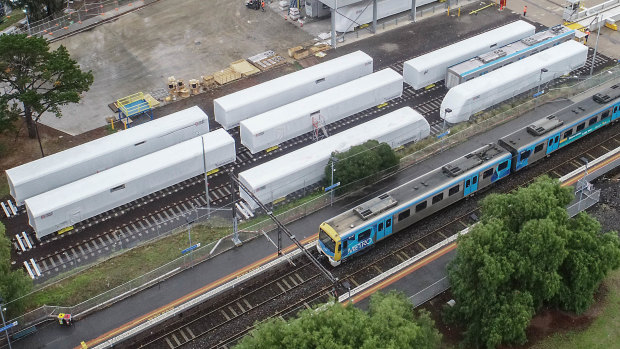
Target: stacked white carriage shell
x,y
433,66
87,197
64,167
294,119
495,87
233,108
306,166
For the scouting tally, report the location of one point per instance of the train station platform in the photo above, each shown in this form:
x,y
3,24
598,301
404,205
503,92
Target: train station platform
x,y
120,317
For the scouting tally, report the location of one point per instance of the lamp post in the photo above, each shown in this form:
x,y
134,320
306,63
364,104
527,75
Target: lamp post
x,y
443,130
543,70
8,340
333,160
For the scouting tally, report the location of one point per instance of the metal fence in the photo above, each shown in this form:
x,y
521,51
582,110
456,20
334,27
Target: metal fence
x,y
254,228
86,13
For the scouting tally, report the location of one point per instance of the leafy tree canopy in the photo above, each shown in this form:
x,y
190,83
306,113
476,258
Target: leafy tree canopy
x,y
38,80
13,283
361,161
526,253
390,323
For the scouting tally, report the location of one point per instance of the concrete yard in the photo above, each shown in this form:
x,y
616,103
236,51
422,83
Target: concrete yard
x,y
185,39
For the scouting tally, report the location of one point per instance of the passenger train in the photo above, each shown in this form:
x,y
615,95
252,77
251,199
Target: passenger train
x,y
355,230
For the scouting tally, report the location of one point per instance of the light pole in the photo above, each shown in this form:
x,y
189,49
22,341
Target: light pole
x,y
333,160
598,33
8,340
204,165
543,70
443,130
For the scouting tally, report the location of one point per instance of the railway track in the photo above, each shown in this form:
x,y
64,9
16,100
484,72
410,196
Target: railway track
x,y
144,218
356,275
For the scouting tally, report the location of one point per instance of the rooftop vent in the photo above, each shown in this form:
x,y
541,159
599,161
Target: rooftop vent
x,y
375,206
545,125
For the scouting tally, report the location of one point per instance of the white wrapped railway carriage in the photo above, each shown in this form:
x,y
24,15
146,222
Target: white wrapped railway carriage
x,y
58,169
306,166
101,192
235,107
433,66
495,87
294,119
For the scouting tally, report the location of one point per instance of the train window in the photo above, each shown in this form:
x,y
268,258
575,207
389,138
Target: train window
x,y
474,180
539,147
380,227
487,173
437,198
120,187
592,121
320,80
454,190
388,223
581,126
525,154
568,133
551,142
419,207
345,244
403,215
605,114
363,235
502,166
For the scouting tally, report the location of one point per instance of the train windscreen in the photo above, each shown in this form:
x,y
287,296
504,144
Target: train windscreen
x,y
329,243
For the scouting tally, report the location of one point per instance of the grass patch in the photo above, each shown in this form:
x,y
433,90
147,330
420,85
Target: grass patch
x,y
118,270
603,333
15,16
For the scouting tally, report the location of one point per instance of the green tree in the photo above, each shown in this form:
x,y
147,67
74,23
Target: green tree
x,y
361,161
390,323
38,80
37,9
526,253
13,283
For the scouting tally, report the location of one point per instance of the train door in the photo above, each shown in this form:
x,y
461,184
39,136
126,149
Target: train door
x,y
471,185
553,142
384,228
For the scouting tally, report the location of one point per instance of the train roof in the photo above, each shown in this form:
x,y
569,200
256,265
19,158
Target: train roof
x,y
529,43
562,118
417,188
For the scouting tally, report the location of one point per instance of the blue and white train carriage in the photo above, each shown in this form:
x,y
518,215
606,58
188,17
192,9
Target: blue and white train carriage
x,y
356,229
352,231
560,129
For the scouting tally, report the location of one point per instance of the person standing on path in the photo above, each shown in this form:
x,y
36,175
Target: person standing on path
x,y
524,10
262,5
587,35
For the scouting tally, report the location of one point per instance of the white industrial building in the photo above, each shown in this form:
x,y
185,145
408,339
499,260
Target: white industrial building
x,y
306,166
87,197
236,107
291,120
64,167
433,66
495,87
351,16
